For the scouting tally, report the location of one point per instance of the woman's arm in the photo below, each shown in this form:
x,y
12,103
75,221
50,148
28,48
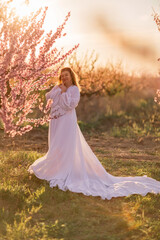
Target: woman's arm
x,y
69,100
53,93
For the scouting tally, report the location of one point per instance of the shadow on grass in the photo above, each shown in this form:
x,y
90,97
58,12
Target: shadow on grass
x,y
30,209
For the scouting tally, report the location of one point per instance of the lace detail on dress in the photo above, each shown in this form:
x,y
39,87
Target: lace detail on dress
x,y
56,112
63,102
69,100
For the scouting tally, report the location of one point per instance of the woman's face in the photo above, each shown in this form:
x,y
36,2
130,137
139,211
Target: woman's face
x,y
66,78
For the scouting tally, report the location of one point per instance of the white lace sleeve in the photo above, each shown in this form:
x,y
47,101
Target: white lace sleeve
x,y
55,91
69,100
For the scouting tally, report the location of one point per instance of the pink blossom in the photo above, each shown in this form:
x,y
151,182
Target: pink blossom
x,y
23,71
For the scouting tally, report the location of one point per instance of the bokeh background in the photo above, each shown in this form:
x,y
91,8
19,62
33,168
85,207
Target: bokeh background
x,y
116,30
116,64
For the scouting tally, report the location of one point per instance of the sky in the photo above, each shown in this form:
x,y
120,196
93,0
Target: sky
x,y
117,30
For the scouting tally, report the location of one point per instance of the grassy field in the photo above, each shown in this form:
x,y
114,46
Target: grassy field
x,y
124,144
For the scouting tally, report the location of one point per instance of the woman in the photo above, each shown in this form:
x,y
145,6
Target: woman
x,y
70,163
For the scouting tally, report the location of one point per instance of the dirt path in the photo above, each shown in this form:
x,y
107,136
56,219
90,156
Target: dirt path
x,y
141,149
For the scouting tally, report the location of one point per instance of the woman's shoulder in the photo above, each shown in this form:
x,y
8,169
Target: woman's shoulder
x,y
73,88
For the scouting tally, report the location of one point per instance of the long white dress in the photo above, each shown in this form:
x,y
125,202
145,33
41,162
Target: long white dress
x,y
70,163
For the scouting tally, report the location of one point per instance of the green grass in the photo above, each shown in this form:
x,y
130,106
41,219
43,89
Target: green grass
x,y
140,120
30,209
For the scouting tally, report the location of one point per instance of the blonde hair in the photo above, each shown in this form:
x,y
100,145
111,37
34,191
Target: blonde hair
x,y
73,77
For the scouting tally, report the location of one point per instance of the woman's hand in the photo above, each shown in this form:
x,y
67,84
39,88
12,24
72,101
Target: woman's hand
x,y
63,88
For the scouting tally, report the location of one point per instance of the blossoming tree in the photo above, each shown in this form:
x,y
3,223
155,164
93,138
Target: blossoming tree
x,y
27,61
157,21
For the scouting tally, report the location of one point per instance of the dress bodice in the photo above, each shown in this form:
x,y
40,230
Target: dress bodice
x,y
63,102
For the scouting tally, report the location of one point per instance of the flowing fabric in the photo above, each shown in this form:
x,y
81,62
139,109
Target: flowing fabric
x,y
71,164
